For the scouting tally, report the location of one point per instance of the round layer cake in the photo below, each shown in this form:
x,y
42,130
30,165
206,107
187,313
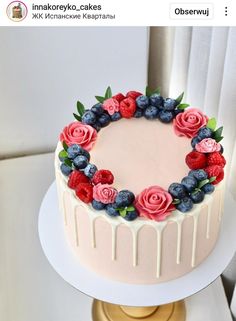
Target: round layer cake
x,y
171,223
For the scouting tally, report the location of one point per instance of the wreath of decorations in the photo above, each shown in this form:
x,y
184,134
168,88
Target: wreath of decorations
x,y
94,186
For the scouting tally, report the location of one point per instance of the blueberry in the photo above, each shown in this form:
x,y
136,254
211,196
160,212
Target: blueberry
x,y
197,197
156,100
104,120
124,198
166,116
185,205
177,190
65,169
221,149
204,132
131,215
151,112
85,153
178,111
89,118
199,174
116,116
97,126
90,170
195,140
98,205
111,209
97,109
190,183
138,113
74,150
80,162
169,104
142,101
208,188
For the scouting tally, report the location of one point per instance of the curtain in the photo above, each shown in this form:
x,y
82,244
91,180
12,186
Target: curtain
x,y
201,61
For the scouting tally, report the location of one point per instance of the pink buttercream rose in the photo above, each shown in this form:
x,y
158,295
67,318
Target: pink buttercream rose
x,y
78,133
111,105
154,203
104,193
208,145
189,122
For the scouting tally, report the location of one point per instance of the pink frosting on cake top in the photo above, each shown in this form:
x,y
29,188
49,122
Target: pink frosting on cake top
x,y
208,145
154,203
189,122
79,133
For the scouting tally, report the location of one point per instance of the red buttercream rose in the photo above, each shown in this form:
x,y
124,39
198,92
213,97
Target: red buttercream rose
x,y
189,122
78,133
154,203
104,193
111,105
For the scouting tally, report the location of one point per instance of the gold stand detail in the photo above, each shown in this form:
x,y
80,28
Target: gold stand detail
x,y
103,311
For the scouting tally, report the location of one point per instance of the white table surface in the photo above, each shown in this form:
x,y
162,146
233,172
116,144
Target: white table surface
x,y
30,290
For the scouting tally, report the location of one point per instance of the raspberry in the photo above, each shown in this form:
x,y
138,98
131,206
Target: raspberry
x,y
216,159
196,160
127,107
119,97
215,170
75,178
133,94
103,176
84,191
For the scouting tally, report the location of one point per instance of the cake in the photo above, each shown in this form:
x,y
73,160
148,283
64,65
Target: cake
x,y
17,12
142,198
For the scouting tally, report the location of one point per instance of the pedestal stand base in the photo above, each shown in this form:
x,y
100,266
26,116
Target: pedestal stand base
x,y
103,311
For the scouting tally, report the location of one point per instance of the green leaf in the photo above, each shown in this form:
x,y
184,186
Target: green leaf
x,y
100,99
108,93
179,99
176,201
68,162
218,139
63,154
77,117
130,208
157,91
122,212
80,108
148,91
202,183
183,106
211,179
211,124
65,146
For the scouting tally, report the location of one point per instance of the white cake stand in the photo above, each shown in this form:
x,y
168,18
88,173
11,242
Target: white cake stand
x,y
67,265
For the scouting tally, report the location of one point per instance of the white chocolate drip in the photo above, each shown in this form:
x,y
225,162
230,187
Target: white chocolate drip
x,y
159,230
76,229
194,243
113,242
179,239
209,211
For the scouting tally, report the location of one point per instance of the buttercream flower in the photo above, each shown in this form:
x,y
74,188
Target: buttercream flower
x,y
104,193
78,133
111,105
189,122
208,145
154,203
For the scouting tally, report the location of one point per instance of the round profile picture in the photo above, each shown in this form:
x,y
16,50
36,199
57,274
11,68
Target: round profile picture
x,y
17,11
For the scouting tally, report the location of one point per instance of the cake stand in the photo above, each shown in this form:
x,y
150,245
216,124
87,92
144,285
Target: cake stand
x,y
121,301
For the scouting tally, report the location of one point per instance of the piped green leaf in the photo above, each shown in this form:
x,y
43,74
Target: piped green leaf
x,y
176,201
182,106
68,162
212,179
63,154
108,93
202,183
100,99
211,124
180,98
80,108
77,117
65,146
150,92
122,212
217,135
130,208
